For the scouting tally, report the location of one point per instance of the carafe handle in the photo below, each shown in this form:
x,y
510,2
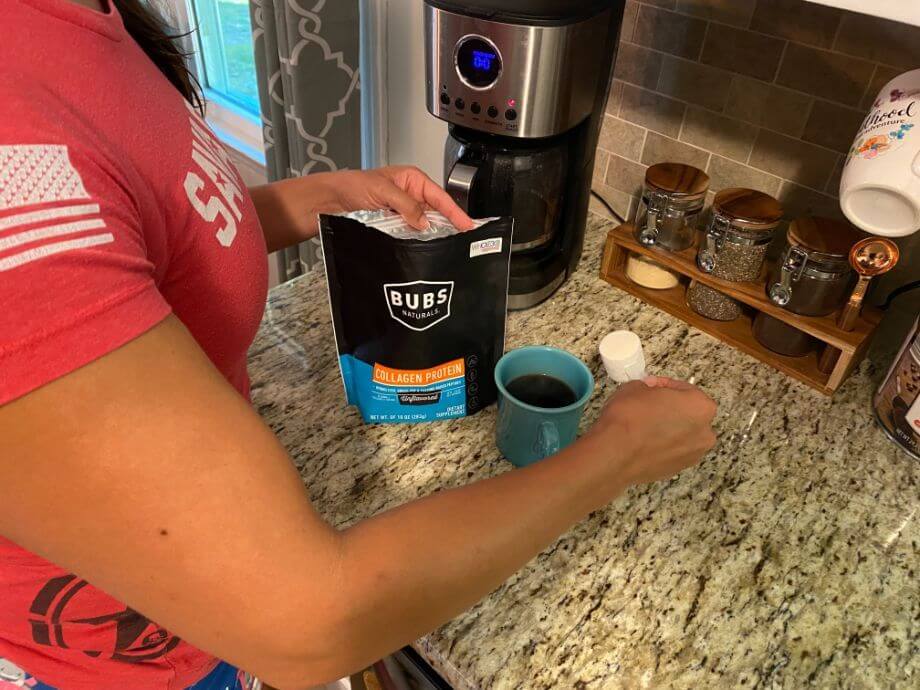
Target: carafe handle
x,y
460,181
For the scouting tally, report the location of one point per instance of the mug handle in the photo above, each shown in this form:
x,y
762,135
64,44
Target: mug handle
x,y
548,439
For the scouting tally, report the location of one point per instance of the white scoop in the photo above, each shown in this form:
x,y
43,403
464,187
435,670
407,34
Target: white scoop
x,y
623,356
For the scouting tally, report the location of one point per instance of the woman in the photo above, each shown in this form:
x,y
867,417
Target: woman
x,y
132,279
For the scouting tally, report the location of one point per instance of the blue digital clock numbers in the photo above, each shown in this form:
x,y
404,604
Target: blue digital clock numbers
x,y
483,60
478,62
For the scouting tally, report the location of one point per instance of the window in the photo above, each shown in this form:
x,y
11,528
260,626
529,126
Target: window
x,y
221,39
225,35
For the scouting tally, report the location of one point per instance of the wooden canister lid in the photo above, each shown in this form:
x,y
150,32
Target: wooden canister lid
x,y
833,238
678,179
750,207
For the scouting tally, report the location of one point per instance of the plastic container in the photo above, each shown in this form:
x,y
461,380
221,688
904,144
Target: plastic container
x,y
711,303
782,338
643,271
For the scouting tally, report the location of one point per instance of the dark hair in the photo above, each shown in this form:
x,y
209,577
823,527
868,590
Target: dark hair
x,y
151,32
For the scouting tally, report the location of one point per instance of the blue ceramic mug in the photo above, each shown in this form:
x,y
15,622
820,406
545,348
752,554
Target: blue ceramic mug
x,y
527,433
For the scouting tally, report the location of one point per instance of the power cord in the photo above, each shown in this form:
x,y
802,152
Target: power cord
x,y
907,287
607,205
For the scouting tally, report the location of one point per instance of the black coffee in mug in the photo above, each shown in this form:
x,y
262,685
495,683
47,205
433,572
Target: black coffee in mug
x,y
541,390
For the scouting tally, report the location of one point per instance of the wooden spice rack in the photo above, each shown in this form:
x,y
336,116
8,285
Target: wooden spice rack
x,y
621,242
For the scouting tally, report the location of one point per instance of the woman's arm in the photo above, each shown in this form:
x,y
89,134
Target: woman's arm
x,y
288,209
148,475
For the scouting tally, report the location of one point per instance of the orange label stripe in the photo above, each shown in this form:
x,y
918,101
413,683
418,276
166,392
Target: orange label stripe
x,y
419,377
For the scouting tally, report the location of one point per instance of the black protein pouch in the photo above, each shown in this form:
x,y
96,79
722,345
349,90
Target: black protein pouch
x,y
419,318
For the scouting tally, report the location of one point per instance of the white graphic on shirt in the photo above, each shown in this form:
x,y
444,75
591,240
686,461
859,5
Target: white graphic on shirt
x,y
36,174
214,162
16,260
43,233
47,214
34,179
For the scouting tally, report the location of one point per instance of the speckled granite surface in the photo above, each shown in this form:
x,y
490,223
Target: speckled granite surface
x,y
787,559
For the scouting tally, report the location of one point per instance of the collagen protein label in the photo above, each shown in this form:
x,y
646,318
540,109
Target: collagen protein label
x,y
419,317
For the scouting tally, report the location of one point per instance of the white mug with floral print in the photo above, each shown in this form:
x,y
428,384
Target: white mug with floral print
x,y
880,187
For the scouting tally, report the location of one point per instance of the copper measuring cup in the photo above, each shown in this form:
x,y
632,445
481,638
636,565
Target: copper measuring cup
x,y
871,257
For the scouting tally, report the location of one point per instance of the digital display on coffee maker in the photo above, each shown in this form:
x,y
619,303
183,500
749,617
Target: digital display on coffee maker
x,y
478,62
483,61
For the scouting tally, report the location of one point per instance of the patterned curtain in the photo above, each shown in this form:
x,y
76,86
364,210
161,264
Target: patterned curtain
x,y
307,56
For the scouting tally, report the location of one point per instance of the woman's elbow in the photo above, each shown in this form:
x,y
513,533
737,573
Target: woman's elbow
x,y
307,674
322,654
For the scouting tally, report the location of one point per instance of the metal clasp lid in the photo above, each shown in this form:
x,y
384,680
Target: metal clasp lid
x,y
794,262
657,203
715,238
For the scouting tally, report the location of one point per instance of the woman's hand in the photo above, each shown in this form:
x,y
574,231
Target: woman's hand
x,y
406,190
655,429
288,209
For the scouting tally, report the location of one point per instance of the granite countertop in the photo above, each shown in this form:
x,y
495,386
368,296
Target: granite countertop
x,y
788,558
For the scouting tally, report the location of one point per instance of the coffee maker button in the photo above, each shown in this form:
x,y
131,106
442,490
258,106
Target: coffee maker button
x,y
475,108
511,114
460,104
493,112
445,99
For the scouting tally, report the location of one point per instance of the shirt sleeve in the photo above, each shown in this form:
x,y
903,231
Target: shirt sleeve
x,y
76,281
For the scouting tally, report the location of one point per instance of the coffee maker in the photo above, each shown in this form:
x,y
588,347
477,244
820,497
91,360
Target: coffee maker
x,y
523,85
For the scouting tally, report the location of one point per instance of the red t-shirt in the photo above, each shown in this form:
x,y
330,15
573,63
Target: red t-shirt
x,y
117,207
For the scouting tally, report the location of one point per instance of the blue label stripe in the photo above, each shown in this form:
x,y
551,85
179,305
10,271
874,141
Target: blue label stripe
x,y
386,404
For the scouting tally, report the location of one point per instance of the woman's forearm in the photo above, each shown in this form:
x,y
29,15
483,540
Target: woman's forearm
x,y
409,570
288,209
426,562
405,572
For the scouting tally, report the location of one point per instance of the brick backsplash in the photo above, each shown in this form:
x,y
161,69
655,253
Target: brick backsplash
x,y
760,93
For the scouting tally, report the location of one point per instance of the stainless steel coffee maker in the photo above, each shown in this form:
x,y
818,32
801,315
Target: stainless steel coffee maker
x,y
523,84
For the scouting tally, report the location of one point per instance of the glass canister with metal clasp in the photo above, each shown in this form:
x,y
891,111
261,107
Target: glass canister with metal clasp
x,y
734,248
672,201
813,277
740,230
